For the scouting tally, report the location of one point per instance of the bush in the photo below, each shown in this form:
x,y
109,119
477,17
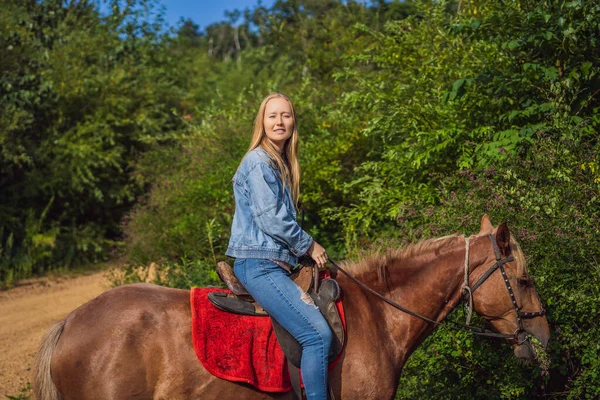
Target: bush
x,y
550,201
183,274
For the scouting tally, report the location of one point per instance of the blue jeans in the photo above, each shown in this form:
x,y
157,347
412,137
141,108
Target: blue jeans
x,y
272,288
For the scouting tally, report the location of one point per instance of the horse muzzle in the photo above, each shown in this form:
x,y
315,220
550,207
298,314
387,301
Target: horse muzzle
x,y
522,346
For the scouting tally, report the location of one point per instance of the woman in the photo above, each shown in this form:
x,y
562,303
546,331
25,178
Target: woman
x,y
266,240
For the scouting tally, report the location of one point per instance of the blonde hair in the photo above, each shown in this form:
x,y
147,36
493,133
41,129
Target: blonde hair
x,y
288,166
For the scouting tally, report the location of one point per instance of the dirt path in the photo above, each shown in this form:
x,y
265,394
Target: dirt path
x,y
27,311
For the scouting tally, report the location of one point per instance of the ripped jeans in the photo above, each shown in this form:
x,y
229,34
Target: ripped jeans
x,y
271,286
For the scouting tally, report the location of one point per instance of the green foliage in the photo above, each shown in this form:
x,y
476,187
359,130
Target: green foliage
x,y
24,393
183,274
457,365
82,96
188,210
550,202
441,91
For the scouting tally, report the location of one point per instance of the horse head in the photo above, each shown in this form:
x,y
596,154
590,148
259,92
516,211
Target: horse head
x,y
507,298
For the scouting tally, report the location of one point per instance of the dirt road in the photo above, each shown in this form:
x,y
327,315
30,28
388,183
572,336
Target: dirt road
x,y
27,311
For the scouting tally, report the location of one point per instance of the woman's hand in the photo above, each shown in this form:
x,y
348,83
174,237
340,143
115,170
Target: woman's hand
x,y
318,253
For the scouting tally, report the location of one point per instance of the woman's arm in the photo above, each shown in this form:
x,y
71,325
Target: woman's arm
x,y
270,213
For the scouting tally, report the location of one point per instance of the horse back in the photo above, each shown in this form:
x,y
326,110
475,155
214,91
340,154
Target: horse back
x,y
116,345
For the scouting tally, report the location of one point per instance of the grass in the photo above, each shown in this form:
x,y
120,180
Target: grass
x,y
24,393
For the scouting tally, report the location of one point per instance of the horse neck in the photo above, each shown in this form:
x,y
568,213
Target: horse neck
x,y
428,283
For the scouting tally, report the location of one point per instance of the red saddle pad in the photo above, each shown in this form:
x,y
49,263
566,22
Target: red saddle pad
x,y
239,348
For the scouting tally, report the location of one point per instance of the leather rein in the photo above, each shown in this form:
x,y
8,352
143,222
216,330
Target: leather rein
x,y
467,292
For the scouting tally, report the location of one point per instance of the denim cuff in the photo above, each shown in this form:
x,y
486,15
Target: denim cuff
x,y
302,245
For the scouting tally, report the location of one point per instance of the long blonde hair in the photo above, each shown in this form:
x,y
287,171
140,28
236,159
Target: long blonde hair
x,y
288,166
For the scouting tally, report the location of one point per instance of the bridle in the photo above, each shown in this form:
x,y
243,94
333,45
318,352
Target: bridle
x,y
468,291
499,264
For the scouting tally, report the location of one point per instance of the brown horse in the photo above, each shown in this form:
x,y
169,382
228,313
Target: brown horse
x,y
134,341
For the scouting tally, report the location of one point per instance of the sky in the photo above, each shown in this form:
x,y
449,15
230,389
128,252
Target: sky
x,y
206,12
202,12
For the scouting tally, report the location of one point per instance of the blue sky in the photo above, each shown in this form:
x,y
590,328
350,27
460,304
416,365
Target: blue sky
x,y
205,12
202,12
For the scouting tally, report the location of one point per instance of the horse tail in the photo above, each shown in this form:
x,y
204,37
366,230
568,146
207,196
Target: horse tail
x,y
43,386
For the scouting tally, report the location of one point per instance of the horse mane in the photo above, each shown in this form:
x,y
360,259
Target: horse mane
x,y
379,260
519,257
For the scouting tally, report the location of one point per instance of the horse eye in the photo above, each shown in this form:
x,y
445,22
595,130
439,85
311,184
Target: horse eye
x,y
523,282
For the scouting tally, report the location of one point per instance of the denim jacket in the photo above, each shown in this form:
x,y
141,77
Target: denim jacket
x,y
264,224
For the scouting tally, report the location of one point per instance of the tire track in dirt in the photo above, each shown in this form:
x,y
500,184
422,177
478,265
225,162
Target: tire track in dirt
x,y
27,311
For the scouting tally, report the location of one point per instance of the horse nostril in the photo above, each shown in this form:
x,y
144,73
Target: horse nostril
x,y
544,338
546,342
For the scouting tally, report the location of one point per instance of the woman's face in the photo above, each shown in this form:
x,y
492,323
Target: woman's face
x,y
278,122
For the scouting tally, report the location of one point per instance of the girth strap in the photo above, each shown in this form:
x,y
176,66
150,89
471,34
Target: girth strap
x,y
297,391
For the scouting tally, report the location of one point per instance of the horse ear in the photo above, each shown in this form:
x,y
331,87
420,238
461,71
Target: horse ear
x,y
503,239
486,225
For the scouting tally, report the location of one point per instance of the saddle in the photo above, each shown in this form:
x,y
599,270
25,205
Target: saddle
x,y
324,292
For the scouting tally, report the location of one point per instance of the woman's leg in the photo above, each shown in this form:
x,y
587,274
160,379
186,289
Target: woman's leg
x,y
271,286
